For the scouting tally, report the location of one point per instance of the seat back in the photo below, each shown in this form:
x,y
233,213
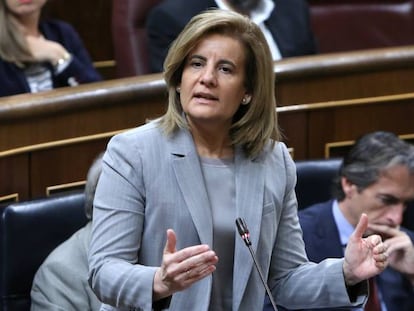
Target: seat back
x,y
129,36
315,180
346,25
29,232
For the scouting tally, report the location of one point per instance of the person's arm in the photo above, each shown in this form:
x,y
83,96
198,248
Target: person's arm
x,y
129,267
63,49
44,50
80,69
295,282
61,282
58,286
117,228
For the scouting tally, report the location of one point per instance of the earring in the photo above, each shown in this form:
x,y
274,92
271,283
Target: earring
x,y
246,100
178,89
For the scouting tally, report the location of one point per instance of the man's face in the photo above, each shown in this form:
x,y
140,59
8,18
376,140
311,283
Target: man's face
x,y
384,202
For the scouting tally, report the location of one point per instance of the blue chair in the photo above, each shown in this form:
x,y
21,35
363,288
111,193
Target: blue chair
x,y
29,231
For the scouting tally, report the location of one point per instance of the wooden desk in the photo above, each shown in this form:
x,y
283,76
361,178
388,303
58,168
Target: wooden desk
x,y
324,99
49,139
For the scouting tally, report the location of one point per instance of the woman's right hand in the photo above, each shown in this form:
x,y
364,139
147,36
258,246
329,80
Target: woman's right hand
x,y
44,50
180,269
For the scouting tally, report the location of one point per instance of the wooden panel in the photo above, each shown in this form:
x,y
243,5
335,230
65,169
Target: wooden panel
x,y
294,128
62,165
337,76
29,119
14,177
349,122
341,148
321,99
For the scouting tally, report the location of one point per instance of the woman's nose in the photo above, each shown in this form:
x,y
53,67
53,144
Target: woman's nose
x,y
208,76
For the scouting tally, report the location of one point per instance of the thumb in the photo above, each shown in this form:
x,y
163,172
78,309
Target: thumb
x,y
361,227
171,242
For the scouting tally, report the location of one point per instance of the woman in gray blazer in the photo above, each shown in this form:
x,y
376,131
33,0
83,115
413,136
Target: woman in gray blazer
x,y
164,234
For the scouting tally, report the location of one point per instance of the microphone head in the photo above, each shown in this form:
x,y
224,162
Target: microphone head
x,y
241,226
243,230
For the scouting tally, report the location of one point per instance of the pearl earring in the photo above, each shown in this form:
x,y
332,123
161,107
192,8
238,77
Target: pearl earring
x,y
178,89
246,99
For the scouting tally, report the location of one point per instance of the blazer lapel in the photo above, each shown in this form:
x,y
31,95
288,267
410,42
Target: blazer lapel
x,y
249,175
249,206
190,179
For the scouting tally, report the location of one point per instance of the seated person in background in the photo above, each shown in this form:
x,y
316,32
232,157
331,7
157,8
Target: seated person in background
x,y
376,178
285,24
61,283
38,55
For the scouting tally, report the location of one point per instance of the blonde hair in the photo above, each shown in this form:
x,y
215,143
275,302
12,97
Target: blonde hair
x,y
13,46
255,124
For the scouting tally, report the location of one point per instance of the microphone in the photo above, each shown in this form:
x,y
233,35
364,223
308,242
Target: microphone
x,y
245,235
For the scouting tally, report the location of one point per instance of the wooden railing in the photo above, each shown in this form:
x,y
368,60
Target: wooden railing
x,y
50,138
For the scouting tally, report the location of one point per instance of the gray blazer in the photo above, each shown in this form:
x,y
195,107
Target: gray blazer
x,y
151,182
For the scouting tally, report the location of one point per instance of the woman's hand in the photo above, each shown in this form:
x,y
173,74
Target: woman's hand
x,y
44,50
180,269
364,257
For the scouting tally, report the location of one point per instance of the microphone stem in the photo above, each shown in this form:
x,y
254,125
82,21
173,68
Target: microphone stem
x,y
262,278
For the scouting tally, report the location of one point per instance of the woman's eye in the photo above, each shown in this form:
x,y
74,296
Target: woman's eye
x,y
196,64
226,69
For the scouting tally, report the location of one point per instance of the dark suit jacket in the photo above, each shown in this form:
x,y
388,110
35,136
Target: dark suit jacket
x,y
322,240
13,80
289,24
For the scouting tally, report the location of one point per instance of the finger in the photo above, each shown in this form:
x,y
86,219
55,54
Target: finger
x,y
195,275
361,227
385,230
170,245
381,265
373,240
380,248
199,261
398,243
192,253
198,272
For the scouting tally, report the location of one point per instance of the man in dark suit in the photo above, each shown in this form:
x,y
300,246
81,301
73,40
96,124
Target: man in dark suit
x,y
285,23
376,178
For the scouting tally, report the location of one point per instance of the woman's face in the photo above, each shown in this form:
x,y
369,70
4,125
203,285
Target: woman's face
x,y
213,81
21,8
